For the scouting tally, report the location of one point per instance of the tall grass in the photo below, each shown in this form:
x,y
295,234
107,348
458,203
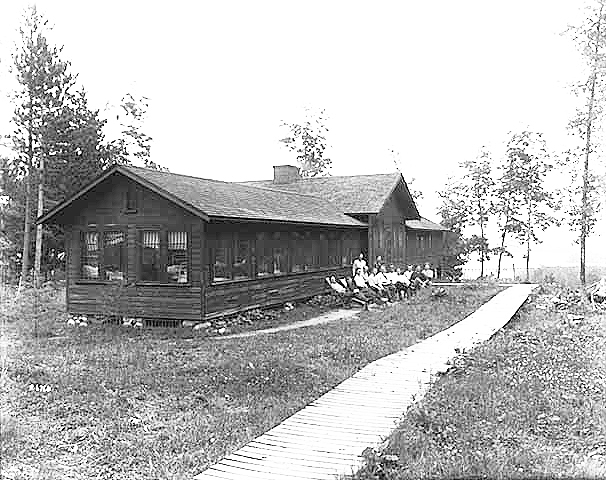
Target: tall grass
x,y
129,403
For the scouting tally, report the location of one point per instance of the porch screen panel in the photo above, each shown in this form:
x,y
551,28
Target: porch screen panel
x,y
298,249
280,252
150,256
333,249
114,255
89,260
177,265
241,264
309,251
264,255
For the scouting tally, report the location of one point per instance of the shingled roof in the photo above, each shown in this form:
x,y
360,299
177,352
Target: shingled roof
x,y
213,198
352,194
424,224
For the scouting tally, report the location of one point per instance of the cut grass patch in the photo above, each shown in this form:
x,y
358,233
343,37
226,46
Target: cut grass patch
x,y
126,403
527,404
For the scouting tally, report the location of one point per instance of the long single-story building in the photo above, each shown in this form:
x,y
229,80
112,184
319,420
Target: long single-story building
x,y
158,245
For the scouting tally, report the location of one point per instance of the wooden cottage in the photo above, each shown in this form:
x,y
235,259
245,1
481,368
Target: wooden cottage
x,y
144,243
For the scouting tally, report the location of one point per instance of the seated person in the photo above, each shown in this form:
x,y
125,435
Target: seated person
x,y
362,288
386,282
398,280
378,262
336,286
417,279
375,284
428,272
408,274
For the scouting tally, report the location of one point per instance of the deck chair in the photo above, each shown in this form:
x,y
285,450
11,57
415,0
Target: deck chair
x,y
347,297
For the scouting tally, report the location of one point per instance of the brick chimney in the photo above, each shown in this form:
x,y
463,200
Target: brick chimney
x,y
286,174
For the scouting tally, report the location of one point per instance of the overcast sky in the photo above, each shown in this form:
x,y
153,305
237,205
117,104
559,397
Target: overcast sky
x,y
433,80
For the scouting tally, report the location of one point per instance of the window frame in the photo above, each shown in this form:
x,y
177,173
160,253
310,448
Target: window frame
x,y
100,230
300,245
163,234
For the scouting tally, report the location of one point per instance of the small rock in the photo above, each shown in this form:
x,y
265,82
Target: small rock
x,y
188,323
222,330
202,326
71,322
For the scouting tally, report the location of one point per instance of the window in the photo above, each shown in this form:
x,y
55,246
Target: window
x,y
103,255
150,256
333,249
164,256
429,241
420,242
298,252
241,265
177,265
90,256
323,260
114,255
309,251
280,253
264,255
131,199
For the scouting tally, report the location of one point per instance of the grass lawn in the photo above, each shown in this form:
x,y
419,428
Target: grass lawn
x,y
135,404
530,403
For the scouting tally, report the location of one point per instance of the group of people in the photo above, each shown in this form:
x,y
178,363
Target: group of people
x,y
382,284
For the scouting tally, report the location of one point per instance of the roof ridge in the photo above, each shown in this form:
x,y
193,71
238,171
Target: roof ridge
x,y
153,170
240,184
327,177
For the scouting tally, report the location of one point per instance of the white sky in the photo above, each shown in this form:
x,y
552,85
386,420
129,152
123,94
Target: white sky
x,y
434,80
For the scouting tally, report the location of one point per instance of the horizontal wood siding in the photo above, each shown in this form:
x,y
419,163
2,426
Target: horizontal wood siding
x,y
179,303
106,205
418,256
268,291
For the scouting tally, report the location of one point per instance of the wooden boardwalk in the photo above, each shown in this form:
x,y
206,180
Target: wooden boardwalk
x,y
326,438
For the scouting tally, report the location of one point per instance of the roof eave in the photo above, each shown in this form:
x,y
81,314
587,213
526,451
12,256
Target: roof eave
x,y
286,222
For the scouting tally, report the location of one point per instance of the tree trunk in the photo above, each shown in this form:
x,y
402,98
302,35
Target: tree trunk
x,y
482,249
38,258
28,207
26,228
501,253
528,235
584,201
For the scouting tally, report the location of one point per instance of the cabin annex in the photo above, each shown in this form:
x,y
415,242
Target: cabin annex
x,y
158,245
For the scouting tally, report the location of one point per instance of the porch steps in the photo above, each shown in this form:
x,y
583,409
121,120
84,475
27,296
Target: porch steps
x,y
326,438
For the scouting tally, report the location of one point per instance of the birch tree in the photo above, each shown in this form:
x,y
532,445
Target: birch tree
x,y
531,204
583,204
476,190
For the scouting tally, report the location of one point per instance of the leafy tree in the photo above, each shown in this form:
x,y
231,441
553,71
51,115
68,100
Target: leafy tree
x,y
133,146
530,203
454,217
308,141
590,37
507,192
74,144
44,81
476,190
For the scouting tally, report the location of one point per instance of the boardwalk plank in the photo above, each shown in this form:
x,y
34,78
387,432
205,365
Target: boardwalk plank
x,y
328,436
